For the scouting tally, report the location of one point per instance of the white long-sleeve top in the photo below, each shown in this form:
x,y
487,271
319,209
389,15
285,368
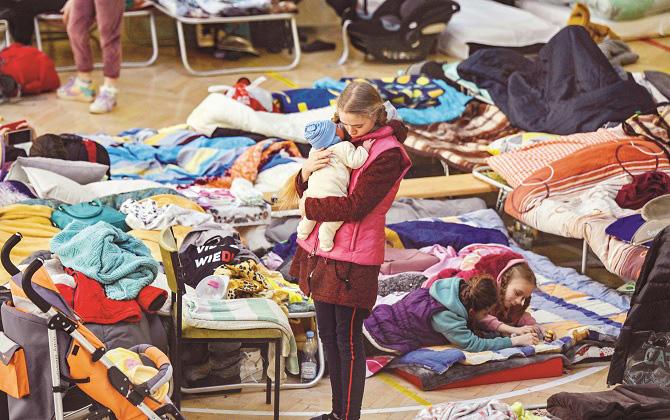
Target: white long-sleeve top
x,y
333,180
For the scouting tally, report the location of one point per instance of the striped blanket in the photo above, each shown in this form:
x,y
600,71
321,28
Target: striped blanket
x,y
565,311
562,198
515,167
461,143
243,314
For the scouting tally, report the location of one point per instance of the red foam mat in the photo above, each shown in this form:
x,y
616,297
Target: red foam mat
x,y
546,369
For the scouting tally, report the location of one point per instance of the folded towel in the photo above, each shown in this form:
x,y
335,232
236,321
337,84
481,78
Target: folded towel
x,y
122,263
244,314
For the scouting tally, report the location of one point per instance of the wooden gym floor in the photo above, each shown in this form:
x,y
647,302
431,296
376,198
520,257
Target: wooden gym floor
x,y
164,95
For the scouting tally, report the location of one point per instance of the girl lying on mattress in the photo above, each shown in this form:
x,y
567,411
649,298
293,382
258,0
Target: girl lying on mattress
x,y
447,312
515,281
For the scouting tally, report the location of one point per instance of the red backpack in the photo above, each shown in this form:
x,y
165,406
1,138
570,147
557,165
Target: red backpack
x,y
31,68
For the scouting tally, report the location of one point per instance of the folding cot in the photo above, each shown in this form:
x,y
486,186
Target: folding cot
x,y
140,13
182,20
483,173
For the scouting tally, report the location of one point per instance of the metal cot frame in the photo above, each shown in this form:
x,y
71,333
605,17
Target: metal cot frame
x,y
148,13
504,190
181,21
4,26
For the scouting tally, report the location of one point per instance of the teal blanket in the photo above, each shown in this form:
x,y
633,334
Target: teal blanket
x,y
120,262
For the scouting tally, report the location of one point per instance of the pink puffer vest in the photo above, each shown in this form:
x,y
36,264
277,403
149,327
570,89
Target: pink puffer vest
x,y
363,242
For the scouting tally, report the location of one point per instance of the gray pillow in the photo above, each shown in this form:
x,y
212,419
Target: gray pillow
x,y
79,171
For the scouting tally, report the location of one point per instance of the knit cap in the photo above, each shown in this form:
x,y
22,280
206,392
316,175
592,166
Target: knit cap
x,y
321,134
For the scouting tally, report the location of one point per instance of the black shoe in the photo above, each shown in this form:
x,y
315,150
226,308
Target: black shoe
x,y
329,416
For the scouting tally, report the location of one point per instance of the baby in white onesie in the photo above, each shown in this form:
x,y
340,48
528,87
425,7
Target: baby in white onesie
x,y
332,180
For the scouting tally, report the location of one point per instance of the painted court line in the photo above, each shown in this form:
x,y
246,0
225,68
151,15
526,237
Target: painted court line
x,y
388,380
547,385
656,44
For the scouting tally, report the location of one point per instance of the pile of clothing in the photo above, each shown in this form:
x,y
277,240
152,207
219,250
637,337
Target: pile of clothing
x,y
108,274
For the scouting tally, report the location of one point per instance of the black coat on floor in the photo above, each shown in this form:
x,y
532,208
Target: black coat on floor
x,y
571,87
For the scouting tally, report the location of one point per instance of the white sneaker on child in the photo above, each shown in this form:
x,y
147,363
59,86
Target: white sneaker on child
x,y
105,101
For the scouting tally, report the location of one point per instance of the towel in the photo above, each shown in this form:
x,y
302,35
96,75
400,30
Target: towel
x,y
243,314
104,253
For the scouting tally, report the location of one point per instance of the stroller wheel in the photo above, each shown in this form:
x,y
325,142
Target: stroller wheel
x,y
97,412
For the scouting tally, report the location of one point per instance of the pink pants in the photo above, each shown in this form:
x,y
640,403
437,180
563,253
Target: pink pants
x,y
109,16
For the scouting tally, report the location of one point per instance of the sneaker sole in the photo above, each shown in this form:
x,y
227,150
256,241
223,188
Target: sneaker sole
x,y
95,111
75,98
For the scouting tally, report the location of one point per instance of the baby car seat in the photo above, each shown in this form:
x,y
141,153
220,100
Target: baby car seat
x,y
398,30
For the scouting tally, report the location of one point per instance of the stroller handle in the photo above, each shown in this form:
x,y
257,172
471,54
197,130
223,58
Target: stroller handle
x,y
6,250
27,286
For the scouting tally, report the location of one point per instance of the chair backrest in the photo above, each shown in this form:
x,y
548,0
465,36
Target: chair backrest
x,y
169,253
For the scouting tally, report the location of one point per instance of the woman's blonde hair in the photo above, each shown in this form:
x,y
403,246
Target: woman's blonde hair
x,y
361,98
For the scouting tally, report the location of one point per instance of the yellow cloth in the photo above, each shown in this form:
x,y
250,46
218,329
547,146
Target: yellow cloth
x,y
281,287
34,223
393,239
151,238
130,364
582,17
523,414
183,202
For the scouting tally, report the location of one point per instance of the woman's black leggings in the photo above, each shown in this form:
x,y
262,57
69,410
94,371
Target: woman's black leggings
x,y
341,331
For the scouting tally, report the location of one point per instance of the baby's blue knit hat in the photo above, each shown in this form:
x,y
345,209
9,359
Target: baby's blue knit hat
x,y
322,134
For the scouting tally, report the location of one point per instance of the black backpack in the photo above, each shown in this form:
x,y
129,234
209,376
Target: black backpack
x,y
8,88
642,351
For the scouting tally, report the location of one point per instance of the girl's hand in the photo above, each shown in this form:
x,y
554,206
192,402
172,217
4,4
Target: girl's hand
x,y
314,162
524,330
529,339
66,11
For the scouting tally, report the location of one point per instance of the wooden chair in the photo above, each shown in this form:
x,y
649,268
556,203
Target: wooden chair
x,y
261,338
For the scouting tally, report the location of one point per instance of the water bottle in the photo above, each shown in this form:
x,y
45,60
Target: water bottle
x,y
308,365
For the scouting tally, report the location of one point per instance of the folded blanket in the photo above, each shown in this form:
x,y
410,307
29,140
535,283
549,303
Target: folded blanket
x,y
104,253
33,222
243,314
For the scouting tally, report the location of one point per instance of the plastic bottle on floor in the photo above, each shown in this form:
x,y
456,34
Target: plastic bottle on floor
x,y
308,365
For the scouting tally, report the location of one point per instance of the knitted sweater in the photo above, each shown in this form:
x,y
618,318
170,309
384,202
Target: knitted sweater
x,y
122,263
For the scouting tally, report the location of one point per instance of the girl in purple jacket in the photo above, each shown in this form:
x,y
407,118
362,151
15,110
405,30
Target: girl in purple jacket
x,y
447,312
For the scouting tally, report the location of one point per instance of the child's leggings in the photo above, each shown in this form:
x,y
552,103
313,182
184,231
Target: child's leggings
x,y
327,231
341,331
109,16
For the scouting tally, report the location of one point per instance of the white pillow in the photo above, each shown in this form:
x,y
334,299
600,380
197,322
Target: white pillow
x,y
49,185
490,23
78,171
218,110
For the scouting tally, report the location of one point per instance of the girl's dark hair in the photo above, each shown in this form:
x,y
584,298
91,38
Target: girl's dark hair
x,y
521,270
479,293
48,146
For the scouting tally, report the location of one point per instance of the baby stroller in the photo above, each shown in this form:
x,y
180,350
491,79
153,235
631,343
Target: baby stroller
x,y
78,357
398,30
